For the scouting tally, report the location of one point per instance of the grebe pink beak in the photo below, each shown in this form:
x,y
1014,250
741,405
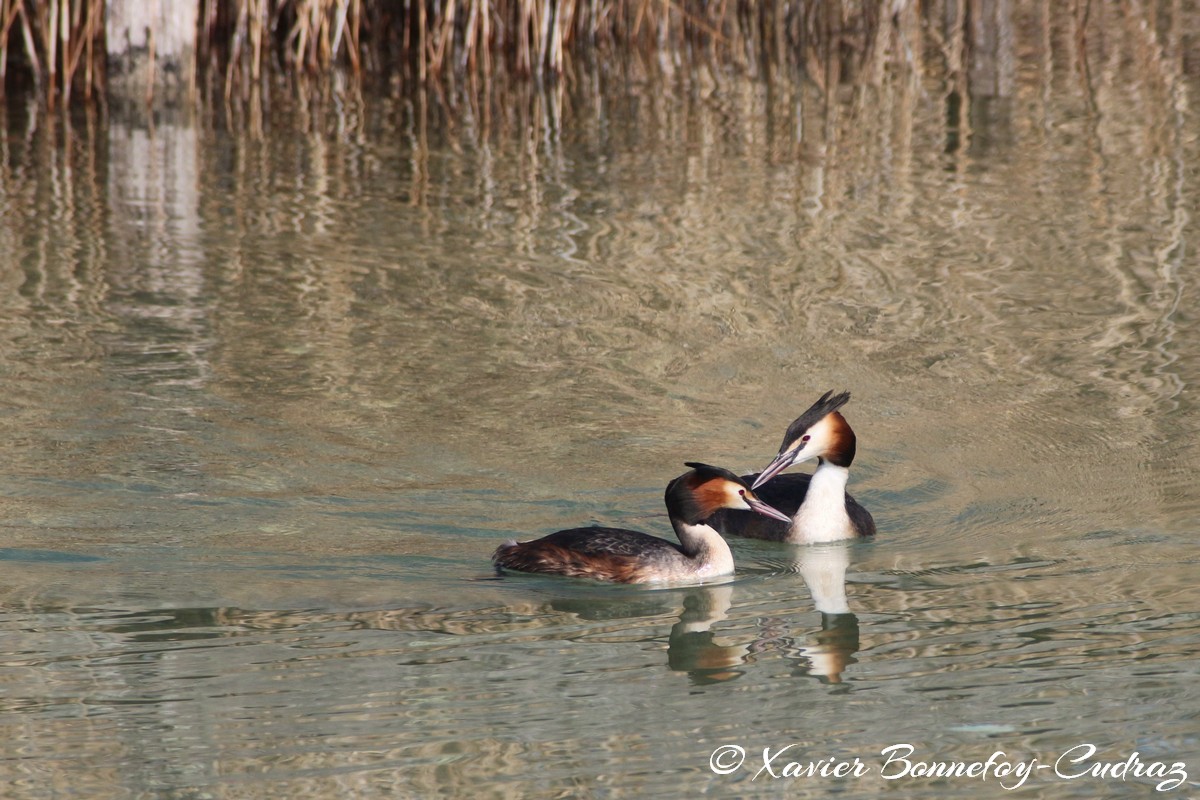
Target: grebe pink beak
x,y
820,432
764,509
778,465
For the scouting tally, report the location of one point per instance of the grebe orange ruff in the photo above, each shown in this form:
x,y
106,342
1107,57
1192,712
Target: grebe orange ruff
x,y
819,507
623,556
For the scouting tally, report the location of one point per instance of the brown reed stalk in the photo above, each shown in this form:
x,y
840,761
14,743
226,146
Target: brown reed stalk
x,y
48,23
526,14
235,47
8,15
90,73
442,37
30,46
473,22
445,40
72,28
296,44
345,27
422,45
257,21
56,35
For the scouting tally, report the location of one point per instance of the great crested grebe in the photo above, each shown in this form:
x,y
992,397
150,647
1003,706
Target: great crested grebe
x,y
623,556
819,507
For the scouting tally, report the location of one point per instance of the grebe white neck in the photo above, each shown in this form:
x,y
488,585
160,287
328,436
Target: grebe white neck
x,y
822,517
705,546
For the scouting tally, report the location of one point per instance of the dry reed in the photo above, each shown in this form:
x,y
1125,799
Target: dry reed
x,y
59,45
55,38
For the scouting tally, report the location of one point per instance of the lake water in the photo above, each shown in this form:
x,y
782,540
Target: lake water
x,y
275,386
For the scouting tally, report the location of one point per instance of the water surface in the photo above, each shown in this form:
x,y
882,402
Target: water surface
x,y
275,391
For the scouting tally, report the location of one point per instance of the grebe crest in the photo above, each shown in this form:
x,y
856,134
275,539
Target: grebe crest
x,y
820,508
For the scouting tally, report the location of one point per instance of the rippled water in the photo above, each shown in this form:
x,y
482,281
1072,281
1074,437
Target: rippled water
x,y
273,392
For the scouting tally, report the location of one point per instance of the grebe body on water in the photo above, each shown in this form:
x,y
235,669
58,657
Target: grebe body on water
x,y
818,505
624,556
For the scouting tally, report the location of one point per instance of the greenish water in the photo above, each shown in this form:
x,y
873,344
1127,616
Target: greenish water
x,y
272,395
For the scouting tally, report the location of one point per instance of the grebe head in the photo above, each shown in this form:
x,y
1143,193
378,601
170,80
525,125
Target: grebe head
x,y
706,490
821,432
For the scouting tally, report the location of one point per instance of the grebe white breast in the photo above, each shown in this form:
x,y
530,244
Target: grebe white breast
x,y
818,505
624,556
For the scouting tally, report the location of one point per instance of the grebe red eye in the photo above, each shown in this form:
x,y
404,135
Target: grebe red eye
x,y
804,438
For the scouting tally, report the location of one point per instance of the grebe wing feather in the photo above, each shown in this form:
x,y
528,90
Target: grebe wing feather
x,y
610,541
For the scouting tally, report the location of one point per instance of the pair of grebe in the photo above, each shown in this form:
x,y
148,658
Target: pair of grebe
x,y
708,503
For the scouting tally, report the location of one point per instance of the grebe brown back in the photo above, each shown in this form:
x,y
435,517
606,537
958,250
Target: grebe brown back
x,y
624,556
818,505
